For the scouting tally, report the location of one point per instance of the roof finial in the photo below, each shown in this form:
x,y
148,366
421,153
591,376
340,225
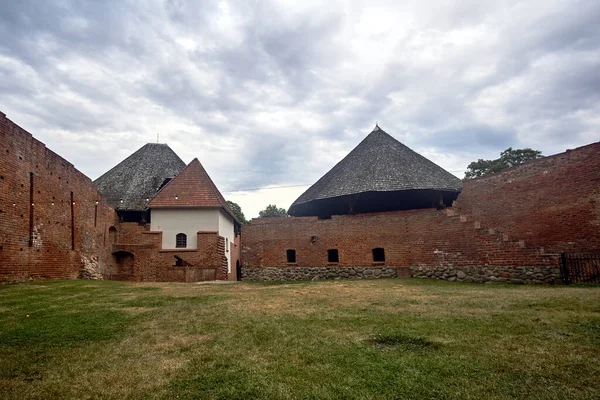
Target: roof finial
x,y
157,133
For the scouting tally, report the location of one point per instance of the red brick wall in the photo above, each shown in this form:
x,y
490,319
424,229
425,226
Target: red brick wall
x,y
151,264
552,202
503,227
48,253
409,238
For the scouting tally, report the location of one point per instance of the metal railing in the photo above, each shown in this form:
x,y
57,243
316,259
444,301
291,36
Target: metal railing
x,y
580,267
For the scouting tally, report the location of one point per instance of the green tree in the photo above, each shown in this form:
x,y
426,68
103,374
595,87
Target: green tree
x,y
237,211
272,211
508,158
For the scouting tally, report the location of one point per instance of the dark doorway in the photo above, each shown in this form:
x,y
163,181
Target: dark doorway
x,y
333,256
122,266
238,271
291,256
378,255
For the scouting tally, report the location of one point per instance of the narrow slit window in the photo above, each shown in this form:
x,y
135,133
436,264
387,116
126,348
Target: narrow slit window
x,y
333,256
181,240
291,255
378,255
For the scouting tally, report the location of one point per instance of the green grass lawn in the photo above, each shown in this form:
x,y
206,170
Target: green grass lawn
x,y
332,339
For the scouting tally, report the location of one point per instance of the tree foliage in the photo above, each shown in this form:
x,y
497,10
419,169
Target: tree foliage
x,y
272,211
237,211
508,158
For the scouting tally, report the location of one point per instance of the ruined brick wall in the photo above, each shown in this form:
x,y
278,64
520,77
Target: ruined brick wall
x,y
50,224
553,202
152,264
423,240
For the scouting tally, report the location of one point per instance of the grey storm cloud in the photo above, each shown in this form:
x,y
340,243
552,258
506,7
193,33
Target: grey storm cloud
x,y
276,92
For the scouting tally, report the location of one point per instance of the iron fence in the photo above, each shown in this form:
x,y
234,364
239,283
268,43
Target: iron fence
x,y
580,268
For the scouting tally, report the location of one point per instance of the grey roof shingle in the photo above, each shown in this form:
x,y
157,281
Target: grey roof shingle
x,y
139,176
379,163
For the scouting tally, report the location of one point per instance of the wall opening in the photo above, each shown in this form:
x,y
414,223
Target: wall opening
x,y
112,235
30,209
333,256
123,266
181,241
378,255
291,255
178,261
141,217
72,222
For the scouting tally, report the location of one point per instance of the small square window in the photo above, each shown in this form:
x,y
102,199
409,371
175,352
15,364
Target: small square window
x,y
378,255
291,255
333,256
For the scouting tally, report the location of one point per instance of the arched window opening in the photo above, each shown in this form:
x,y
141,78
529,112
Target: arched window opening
x,y
112,235
333,256
378,255
181,240
291,255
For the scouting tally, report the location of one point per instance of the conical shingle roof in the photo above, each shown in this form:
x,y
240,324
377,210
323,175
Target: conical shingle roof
x,y
379,163
130,183
192,187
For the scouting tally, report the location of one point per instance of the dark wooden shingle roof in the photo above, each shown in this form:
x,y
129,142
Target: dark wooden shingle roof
x,y
379,163
130,183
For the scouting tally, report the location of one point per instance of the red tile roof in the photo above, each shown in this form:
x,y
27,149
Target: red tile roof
x,y
192,187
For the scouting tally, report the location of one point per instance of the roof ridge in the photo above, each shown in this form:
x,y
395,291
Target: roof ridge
x,y
192,187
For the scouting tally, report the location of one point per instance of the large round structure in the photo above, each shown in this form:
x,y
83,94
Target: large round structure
x,y
380,174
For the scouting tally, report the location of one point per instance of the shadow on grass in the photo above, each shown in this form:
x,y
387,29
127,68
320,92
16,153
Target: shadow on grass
x,y
402,341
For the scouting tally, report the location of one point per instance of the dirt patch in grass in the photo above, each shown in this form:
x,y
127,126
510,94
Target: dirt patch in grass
x,y
402,341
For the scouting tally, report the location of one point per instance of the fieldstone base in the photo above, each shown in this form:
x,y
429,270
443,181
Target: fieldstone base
x,y
314,273
491,274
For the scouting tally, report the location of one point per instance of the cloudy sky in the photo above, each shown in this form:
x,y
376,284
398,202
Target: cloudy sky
x,y
271,94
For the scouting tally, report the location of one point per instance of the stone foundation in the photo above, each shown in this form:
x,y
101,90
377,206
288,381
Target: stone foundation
x,y
314,273
491,274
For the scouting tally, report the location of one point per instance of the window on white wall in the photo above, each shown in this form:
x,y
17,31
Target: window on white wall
x,y
227,245
181,240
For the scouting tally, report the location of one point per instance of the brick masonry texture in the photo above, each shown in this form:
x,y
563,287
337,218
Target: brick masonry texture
x,y
44,236
152,264
37,241
425,238
508,227
553,202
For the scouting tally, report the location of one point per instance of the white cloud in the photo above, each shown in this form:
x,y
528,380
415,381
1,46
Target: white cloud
x,y
274,93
